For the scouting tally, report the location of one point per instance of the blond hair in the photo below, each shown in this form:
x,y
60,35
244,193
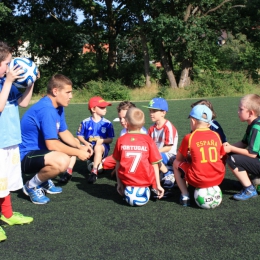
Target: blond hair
x,y
135,117
251,102
58,81
5,50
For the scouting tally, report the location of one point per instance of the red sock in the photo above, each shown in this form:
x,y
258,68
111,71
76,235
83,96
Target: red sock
x,y
94,170
6,206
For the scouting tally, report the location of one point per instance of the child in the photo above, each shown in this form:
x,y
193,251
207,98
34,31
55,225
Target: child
x,y
165,137
199,156
96,132
243,157
10,137
108,162
136,156
219,129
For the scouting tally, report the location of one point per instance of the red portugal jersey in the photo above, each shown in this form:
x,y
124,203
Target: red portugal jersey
x,y
136,153
206,167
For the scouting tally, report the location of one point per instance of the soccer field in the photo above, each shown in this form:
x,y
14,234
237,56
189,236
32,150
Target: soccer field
x,y
93,222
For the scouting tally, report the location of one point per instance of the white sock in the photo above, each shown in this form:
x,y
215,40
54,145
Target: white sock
x,y
34,182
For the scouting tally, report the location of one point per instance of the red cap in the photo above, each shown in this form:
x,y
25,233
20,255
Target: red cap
x,y
97,102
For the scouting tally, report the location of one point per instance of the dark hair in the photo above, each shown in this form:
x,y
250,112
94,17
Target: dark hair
x,y
206,103
125,105
5,50
58,81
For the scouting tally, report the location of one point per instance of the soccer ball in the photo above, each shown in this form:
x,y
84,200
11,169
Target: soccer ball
x,y
29,72
208,198
136,196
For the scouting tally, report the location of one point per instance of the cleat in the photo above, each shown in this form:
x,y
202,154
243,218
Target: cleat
x,y
65,178
36,195
2,235
168,180
17,219
49,187
92,178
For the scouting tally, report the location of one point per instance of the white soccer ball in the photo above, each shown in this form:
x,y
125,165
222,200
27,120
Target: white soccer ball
x,y
136,196
29,72
208,198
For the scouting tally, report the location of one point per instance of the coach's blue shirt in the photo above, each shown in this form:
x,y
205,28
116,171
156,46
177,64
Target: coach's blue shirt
x,y
41,122
10,131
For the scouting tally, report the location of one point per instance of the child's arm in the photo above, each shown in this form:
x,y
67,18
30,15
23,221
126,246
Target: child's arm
x,y
120,185
157,178
11,76
234,149
104,141
24,100
165,149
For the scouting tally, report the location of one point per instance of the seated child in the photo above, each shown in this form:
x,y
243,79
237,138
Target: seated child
x,y
96,132
165,136
199,156
219,130
136,156
243,156
108,163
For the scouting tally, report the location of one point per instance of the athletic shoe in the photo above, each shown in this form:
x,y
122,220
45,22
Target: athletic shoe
x,y
65,177
185,201
168,180
92,178
36,195
2,234
17,219
49,187
154,194
246,193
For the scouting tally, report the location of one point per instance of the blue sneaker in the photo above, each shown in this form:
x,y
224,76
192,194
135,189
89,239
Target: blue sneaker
x,y
245,194
185,201
36,195
49,187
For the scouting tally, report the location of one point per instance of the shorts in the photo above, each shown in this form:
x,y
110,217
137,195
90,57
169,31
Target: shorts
x,y
34,161
10,170
104,155
244,163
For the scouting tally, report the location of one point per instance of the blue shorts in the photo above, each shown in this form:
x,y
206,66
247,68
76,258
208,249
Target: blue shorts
x,y
166,160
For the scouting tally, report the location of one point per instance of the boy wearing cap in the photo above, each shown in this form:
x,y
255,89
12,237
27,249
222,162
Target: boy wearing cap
x,y
200,154
165,135
97,133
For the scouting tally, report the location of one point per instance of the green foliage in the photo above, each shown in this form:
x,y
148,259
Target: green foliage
x,y
220,84
163,91
110,90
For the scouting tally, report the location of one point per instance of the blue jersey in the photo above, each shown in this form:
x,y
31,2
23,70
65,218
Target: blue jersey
x,y
10,131
41,122
92,130
219,131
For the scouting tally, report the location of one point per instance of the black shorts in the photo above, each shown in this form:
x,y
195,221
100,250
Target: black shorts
x,y
34,161
244,163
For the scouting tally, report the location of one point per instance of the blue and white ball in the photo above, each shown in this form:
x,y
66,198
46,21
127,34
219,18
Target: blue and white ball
x,y
208,198
29,72
136,196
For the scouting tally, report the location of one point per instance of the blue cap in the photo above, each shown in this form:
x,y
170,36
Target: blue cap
x,y
198,111
158,103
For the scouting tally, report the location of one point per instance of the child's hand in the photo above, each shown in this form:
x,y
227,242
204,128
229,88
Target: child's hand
x,y
120,188
13,73
160,191
227,147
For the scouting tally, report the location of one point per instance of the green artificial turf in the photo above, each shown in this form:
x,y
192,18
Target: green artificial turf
x,y
93,222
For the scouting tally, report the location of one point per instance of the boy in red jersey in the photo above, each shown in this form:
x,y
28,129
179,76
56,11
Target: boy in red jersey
x,y
165,136
200,155
136,156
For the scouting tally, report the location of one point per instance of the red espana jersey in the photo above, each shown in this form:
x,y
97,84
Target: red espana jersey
x,y
206,150
136,153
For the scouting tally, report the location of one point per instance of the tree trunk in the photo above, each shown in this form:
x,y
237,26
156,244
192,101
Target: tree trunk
x,y
166,65
185,74
145,54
